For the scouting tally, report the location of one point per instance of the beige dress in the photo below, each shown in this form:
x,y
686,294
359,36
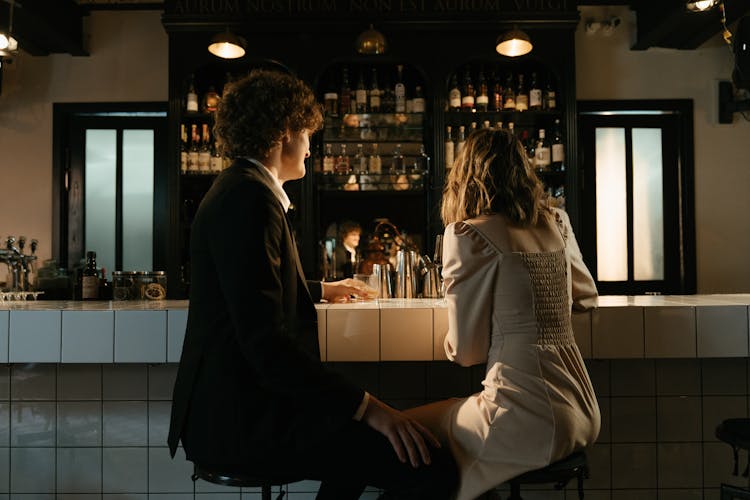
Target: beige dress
x,y
509,292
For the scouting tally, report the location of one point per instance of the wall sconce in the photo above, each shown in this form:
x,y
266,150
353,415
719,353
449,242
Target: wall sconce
x,y
227,45
371,42
606,26
8,44
701,5
513,43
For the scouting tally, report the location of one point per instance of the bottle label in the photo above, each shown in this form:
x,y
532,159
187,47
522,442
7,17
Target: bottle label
x,y
551,100
374,100
483,100
558,153
89,287
193,161
192,102
542,158
328,165
535,98
522,102
204,161
216,163
449,153
510,103
454,97
418,105
361,98
183,161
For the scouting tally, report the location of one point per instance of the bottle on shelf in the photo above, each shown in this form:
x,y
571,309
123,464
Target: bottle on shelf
x,y
183,149
499,125
449,148
345,94
374,92
331,101
496,102
454,95
509,96
374,165
191,100
361,93
397,162
522,96
461,140
328,160
511,128
217,162
529,144
486,124
543,157
387,97
421,163
467,93
343,163
400,90
558,148
105,287
204,153
482,99
535,94
194,149
549,99
90,278
418,104
472,127
211,100
360,161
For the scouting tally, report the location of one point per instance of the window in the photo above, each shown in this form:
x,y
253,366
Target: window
x,y
636,169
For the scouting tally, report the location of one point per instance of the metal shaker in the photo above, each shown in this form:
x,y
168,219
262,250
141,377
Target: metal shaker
x,y
382,273
431,286
406,279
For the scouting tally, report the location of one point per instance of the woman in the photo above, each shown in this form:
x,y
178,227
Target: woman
x,y
512,272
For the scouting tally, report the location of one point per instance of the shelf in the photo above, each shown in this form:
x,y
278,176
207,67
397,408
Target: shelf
x,y
198,115
410,181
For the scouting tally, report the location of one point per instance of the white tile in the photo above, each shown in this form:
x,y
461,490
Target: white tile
x,y
124,382
79,470
158,422
679,419
634,465
32,470
722,331
4,326
353,334
140,336
617,332
582,331
633,419
406,335
670,332
125,423
33,382
34,336
79,423
176,324
124,470
161,380
439,331
87,336
79,382
680,465
32,424
167,475
322,333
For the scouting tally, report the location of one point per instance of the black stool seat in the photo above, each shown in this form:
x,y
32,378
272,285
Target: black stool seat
x,y
243,480
574,465
736,433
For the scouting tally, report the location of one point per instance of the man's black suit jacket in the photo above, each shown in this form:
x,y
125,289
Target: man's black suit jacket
x,y
250,386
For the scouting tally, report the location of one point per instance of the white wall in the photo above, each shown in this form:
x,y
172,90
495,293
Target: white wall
x,y
606,68
128,62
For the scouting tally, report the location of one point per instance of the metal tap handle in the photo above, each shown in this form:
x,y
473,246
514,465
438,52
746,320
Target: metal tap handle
x,y
21,242
34,244
9,242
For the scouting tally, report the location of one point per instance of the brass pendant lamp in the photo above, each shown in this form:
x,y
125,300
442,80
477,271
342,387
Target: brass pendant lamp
x,y
227,45
514,43
8,44
371,42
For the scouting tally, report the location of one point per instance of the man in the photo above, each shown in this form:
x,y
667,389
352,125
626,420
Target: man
x,y
251,393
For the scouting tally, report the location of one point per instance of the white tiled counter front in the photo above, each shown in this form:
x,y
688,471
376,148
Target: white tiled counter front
x,y
651,327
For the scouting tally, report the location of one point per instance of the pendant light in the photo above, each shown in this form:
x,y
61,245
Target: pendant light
x,y
701,5
227,45
8,44
514,43
371,42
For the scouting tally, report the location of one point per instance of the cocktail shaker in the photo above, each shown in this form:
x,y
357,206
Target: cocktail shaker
x,y
382,273
406,278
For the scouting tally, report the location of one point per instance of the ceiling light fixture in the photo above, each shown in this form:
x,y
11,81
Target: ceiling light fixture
x,y
8,44
371,42
227,45
514,43
701,5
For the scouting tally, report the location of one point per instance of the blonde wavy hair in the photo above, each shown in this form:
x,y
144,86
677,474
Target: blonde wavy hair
x,y
492,175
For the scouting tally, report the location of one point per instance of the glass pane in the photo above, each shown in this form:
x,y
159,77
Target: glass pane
x,y
648,205
100,181
137,199
611,205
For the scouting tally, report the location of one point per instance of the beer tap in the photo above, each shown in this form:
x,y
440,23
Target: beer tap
x,y
19,264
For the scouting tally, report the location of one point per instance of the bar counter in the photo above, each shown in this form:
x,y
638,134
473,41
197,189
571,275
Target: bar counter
x,y
650,327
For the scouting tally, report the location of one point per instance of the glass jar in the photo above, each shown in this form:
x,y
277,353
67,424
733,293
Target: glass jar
x,y
122,285
151,285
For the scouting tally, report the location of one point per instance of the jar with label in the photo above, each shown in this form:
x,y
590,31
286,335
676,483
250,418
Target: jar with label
x,y
122,285
151,285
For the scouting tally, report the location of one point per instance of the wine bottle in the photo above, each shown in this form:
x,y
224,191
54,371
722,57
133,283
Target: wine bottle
x,y
217,162
345,94
509,96
449,148
400,90
183,149
542,158
496,103
193,151
375,164
535,94
204,153
331,101
558,149
418,101
328,160
522,96
461,140
374,92
397,162
191,100
550,96
454,95
360,161
343,163
361,93
467,94
90,278
482,100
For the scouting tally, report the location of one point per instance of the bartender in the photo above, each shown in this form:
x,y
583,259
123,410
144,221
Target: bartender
x,y
346,250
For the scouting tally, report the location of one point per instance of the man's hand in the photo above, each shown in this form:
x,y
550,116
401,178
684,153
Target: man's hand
x,y
348,290
407,436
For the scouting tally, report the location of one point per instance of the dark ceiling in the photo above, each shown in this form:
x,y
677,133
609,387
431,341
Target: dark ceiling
x,y
45,27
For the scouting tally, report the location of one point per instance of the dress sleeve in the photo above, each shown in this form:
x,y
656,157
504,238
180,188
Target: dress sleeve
x,y
469,273
583,288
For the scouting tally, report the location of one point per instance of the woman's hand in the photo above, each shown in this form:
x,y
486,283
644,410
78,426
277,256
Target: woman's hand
x,y
407,436
347,290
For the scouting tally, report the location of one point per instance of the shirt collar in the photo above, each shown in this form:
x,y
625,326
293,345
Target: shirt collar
x,y
276,186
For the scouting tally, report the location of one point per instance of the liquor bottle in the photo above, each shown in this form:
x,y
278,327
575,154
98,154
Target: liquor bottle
x,y
486,124
496,103
454,95
499,125
522,96
211,100
509,96
461,140
467,93
361,93
418,101
535,94
400,90
191,101
328,160
529,144
345,94
183,149
360,161
343,163
90,278
449,148
482,100
217,162
397,161
421,164
387,97
193,151
511,128
542,158
550,96
204,153
558,149
374,165
105,288
374,92
331,102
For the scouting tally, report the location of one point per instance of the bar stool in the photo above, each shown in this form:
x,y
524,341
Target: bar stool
x,y
561,472
736,433
242,480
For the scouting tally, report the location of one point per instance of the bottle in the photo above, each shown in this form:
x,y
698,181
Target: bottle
x,y
529,144
499,125
374,165
542,158
397,162
191,101
558,149
454,95
421,163
217,162
361,94
535,94
482,100
550,96
509,97
317,160
418,104
204,153
328,160
331,102
211,99
183,149
193,151
90,278
374,92
449,148
467,94
343,164
387,98
461,140
496,103
486,124
522,96
345,94
511,128
105,288
400,90
472,127
360,161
